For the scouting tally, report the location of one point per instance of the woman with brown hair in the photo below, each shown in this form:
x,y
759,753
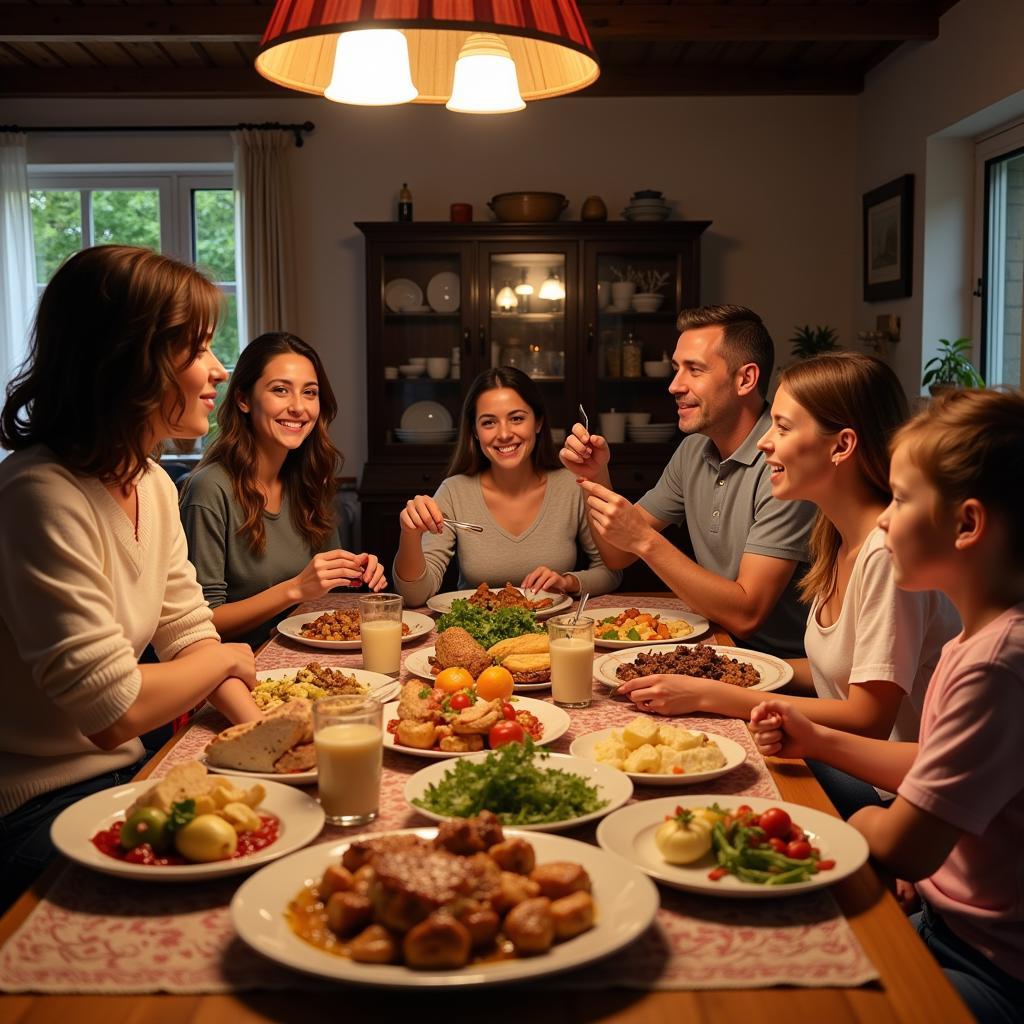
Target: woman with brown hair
x,y
504,476
259,511
95,567
870,647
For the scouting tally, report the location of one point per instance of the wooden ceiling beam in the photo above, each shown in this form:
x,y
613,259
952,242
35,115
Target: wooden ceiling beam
x,y
245,82
745,22
606,22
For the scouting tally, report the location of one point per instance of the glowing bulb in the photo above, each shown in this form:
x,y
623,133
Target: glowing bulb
x,y
371,69
485,78
506,298
552,289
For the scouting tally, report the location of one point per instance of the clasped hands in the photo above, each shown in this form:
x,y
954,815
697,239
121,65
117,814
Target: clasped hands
x,y
339,568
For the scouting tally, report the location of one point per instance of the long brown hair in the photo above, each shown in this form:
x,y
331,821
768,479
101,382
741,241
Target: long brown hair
x,y
114,326
468,457
847,390
970,444
308,474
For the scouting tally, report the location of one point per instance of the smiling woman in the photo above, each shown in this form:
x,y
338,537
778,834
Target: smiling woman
x,y
259,511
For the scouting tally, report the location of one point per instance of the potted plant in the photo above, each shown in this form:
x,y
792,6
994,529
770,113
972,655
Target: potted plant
x,y
951,367
809,342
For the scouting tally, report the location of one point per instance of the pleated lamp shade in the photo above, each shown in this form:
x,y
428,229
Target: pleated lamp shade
x,y
546,38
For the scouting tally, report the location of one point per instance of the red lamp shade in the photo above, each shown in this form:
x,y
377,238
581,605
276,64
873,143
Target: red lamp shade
x,y
546,38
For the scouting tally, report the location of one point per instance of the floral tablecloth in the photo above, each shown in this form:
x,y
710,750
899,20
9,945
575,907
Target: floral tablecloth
x,y
96,933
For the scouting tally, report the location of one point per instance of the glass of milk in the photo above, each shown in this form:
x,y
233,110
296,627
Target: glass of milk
x,y
572,660
380,631
349,749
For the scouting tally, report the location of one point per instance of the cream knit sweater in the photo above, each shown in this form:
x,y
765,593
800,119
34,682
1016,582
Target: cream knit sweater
x,y
80,598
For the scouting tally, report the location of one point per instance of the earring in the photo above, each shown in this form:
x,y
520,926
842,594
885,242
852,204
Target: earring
x,y
835,461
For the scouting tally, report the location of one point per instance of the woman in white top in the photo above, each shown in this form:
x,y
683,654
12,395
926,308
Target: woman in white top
x,y
870,647
505,477
94,559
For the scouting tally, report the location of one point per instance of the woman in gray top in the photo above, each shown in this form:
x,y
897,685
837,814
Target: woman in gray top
x,y
505,476
259,511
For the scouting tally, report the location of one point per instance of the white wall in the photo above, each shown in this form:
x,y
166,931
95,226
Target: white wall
x,y
919,114
775,175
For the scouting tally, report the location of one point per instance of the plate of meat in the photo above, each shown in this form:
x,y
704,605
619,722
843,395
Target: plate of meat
x,y
581,904
543,603
750,669
338,629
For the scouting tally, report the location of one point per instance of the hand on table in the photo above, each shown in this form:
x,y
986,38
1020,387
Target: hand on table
x,y
665,694
543,578
781,731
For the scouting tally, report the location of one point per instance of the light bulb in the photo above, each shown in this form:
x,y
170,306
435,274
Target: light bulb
x,y
552,289
371,69
524,287
506,298
485,78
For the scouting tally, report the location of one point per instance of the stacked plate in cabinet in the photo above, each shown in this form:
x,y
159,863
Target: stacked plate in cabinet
x,y
651,433
425,436
426,423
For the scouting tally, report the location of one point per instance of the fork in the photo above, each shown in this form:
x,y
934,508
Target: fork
x,y
586,421
455,525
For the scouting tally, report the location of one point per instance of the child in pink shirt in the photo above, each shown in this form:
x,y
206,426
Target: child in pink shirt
x,y
956,828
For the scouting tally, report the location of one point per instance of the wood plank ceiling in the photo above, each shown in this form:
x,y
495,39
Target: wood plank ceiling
x,y
649,48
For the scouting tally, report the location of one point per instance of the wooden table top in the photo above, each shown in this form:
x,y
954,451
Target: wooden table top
x,y
911,986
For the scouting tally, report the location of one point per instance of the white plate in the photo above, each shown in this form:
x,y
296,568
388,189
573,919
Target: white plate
x,y
301,822
382,687
418,663
775,672
418,623
443,602
553,720
401,295
611,785
735,755
629,832
626,904
429,416
443,292
306,778
698,622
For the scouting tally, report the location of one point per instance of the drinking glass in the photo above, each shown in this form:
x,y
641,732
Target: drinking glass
x,y
572,660
380,632
349,744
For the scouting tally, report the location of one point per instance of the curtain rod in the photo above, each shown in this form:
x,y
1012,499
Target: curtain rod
x,y
296,129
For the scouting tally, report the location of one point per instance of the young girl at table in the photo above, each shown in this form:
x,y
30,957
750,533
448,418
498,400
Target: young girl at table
x,y
956,827
505,477
870,647
259,511
94,561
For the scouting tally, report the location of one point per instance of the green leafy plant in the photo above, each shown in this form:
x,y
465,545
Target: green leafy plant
x,y
809,341
952,367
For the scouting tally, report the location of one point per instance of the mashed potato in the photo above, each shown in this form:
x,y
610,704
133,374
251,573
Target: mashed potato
x,y
647,747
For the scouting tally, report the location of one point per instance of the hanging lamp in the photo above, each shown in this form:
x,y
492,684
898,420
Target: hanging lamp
x,y
546,41
552,289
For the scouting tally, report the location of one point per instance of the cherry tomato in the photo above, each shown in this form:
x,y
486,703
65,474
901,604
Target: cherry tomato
x,y
796,833
716,873
825,865
508,712
506,732
460,701
778,845
776,823
799,849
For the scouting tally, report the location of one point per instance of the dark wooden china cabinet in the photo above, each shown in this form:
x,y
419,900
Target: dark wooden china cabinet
x,y
447,300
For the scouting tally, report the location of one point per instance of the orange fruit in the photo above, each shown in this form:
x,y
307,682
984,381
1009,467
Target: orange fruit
x,y
451,680
494,683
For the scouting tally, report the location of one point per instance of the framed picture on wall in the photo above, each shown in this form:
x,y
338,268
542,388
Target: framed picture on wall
x,y
889,240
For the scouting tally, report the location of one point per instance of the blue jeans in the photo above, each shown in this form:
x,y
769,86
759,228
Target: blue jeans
x,y
25,847
847,793
992,995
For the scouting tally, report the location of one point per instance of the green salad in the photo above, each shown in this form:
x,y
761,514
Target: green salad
x,y
489,628
509,783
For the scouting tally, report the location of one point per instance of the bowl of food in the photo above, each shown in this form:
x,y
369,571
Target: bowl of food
x,y
528,207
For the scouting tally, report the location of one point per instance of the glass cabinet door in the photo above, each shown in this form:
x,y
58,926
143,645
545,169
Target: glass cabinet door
x,y
633,298
528,301
423,335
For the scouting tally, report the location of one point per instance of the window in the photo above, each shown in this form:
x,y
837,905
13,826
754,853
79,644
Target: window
x,y
1000,161
190,216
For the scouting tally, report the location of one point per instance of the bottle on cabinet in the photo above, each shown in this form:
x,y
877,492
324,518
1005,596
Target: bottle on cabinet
x,y
632,356
611,350
405,203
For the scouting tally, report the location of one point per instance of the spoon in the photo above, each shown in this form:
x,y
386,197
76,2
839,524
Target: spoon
x,y
586,421
579,611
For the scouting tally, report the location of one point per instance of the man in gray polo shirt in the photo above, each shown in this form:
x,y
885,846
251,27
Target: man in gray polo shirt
x,y
750,548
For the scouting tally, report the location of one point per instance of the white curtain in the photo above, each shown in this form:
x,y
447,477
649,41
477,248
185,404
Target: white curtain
x,y
17,276
264,229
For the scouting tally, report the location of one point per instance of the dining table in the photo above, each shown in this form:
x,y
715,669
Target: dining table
x,y
85,948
